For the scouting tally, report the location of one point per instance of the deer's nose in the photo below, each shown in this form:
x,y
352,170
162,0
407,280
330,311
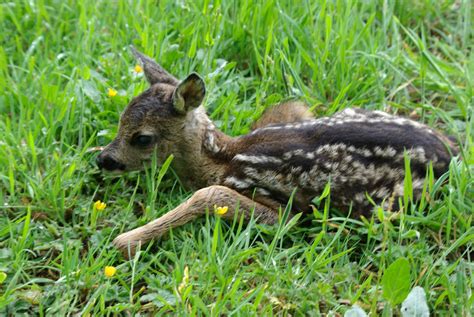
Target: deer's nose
x,y
108,163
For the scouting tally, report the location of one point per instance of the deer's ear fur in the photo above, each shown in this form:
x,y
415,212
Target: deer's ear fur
x,y
189,93
154,73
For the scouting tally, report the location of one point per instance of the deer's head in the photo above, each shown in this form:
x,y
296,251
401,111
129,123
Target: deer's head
x,y
156,120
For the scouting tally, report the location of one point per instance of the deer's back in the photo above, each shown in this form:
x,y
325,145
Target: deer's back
x,y
359,151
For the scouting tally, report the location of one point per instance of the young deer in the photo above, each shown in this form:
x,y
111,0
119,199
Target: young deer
x,y
359,152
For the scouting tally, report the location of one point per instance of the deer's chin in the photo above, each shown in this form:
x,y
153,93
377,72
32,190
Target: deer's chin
x,y
130,169
141,166
114,172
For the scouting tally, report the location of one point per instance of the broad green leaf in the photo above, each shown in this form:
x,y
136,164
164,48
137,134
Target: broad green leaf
x,y
90,90
396,281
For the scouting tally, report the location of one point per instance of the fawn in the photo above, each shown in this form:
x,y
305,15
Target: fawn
x,y
359,152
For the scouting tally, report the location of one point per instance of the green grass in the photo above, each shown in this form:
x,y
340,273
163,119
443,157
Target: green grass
x,y
57,60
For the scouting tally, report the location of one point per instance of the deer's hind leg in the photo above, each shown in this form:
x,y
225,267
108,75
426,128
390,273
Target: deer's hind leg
x,y
194,207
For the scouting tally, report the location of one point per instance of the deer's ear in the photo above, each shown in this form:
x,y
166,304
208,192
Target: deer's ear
x,y
189,93
153,71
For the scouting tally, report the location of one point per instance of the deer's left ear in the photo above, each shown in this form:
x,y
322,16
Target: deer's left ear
x,y
189,93
154,73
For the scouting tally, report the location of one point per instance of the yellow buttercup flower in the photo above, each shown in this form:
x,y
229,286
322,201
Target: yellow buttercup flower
x,y
110,271
220,210
138,69
99,206
111,92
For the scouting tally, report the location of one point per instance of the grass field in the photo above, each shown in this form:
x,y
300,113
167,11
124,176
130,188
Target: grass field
x,y
59,58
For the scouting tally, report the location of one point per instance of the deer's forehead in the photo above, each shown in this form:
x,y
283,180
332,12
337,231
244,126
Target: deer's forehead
x,y
151,105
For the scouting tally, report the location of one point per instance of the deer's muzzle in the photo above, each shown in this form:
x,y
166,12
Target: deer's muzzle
x,y
108,163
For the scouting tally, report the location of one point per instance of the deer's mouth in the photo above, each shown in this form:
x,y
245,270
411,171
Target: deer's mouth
x,y
109,163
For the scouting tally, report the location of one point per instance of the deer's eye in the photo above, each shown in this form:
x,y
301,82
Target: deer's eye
x,y
141,140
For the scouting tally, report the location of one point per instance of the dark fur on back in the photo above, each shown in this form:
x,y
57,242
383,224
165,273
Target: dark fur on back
x,y
361,152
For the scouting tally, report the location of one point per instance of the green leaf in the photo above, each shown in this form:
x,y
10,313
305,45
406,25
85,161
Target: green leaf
x,y
396,281
324,194
90,90
3,277
160,298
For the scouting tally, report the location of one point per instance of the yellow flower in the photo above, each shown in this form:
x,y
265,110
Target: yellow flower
x,y
138,69
220,210
99,206
111,92
110,271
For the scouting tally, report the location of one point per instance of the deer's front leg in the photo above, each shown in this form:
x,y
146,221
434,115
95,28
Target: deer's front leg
x,y
194,207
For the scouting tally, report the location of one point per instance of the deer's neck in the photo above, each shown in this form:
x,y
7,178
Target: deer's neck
x,y
203,157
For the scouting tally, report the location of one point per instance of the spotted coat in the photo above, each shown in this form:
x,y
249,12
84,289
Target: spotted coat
x,y
360,152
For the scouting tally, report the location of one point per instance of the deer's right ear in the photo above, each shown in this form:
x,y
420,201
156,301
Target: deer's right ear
x,y
153,71
189,93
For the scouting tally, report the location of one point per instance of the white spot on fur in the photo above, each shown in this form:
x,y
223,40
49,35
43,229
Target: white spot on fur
x,y
304,179
382,192
399,189
210,142
381,113
366,153
417,183
257,159
418,154
237,182
386,152
349,112
263,192
359,197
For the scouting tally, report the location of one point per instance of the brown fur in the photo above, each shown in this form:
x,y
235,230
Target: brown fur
x,y
287,112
